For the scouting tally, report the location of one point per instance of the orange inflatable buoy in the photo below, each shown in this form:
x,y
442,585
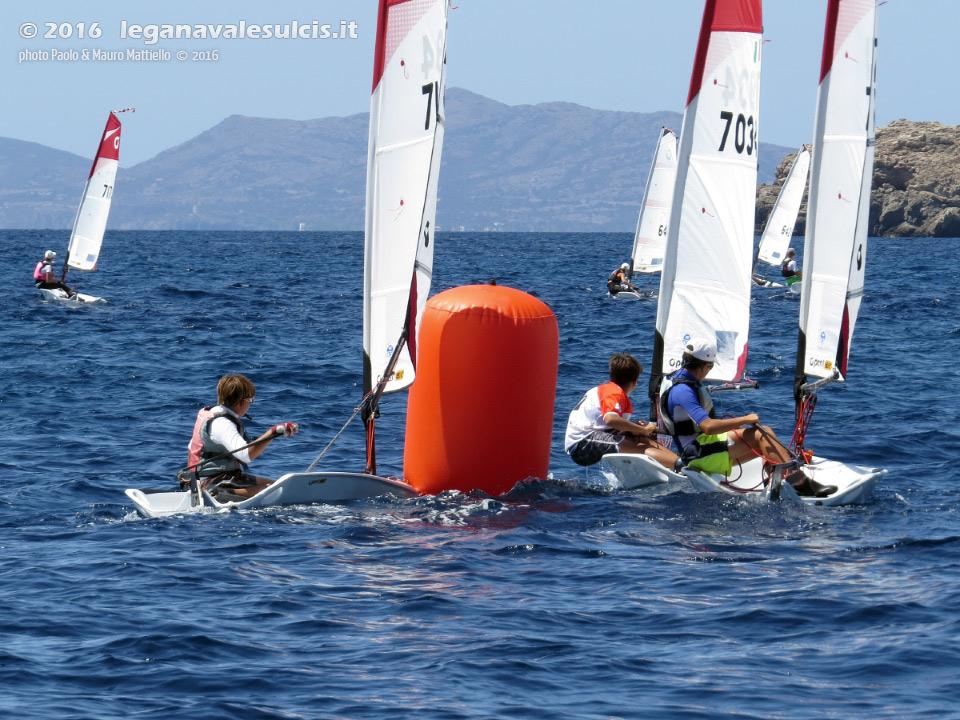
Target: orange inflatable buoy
x,y
480,413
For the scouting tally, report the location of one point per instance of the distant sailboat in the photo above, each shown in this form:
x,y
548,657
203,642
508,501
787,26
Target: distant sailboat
x,y
650,238
403,164
83,249
783,217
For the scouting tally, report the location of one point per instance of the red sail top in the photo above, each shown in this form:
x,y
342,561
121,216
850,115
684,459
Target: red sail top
x,y
109,144
839,27
722,16
392,28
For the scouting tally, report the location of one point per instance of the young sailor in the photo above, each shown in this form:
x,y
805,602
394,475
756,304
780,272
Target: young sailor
x,y
219,446
601,424
711,444
788,268
618,282
45,277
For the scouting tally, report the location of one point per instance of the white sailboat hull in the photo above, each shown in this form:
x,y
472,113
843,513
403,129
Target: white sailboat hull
x,y
631,295
61,295
854,484
290,489
636,471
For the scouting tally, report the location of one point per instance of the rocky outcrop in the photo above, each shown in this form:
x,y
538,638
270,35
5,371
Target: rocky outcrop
x,y
916,183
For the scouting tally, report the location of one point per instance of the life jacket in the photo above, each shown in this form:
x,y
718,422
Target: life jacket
x,y
785,271
615,276
38,272
688,426
197,448
703,446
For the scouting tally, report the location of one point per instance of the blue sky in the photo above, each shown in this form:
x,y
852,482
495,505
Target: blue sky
x,y
631,55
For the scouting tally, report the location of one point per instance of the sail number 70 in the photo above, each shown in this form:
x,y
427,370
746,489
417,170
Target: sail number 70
x,y
744,134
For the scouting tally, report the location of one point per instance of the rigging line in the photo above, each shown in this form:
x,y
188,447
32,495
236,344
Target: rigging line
x,y
772,438
356,411
370,400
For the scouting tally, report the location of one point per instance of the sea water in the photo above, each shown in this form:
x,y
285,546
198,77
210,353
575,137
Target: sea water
x,y
567,598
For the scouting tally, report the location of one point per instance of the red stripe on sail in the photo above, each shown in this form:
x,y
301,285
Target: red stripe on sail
x,y
741,364
722,16
378,52
843,348
839,26
412,320
109,143
829,38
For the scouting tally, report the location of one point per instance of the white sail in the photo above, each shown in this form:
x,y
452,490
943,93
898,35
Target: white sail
x,y
705,283
650,239
83,249
779,228
835,247
406,135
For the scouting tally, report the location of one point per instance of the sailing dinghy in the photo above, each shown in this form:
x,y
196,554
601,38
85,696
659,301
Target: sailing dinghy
x,y
834,253
783,218
403,163
835,246
83,250
650,237
705,281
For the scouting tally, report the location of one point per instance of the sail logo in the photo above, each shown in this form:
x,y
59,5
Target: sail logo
x,y
116,141
823,337
814,362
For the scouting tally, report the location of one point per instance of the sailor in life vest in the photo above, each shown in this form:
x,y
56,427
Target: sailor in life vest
x,y
220,448
45,277
714,445
788,268
618,282
600,423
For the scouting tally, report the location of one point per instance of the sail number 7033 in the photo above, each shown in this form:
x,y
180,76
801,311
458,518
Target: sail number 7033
x,y
744,134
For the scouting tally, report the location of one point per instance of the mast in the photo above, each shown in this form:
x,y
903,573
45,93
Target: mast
x,y
403,162
705,282
835,247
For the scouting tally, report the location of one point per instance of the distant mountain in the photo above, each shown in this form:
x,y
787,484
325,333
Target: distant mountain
x,y
39,187
546,167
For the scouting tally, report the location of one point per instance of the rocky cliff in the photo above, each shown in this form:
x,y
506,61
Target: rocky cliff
x,y
916,183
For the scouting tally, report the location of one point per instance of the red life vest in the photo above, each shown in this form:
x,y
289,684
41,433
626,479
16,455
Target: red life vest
x,y
39,274
196,444
205,416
